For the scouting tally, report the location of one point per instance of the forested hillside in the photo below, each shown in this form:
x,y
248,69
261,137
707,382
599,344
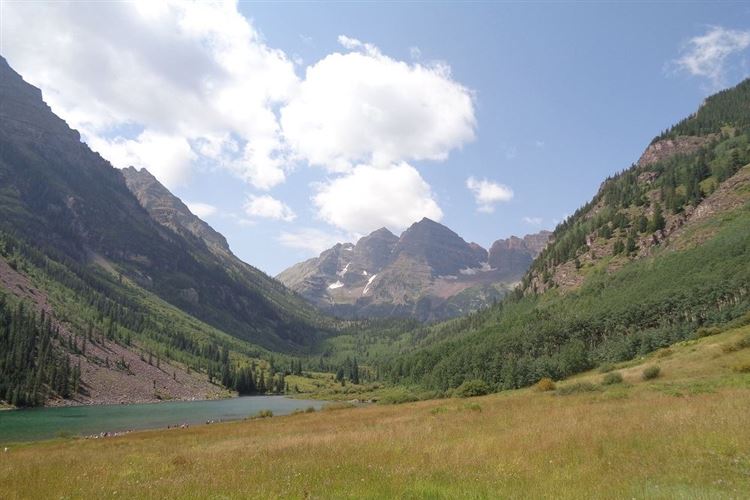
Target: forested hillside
x,y
163,315
660,254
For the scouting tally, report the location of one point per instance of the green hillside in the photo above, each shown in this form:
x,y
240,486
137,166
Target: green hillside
x,y
76,244
659,255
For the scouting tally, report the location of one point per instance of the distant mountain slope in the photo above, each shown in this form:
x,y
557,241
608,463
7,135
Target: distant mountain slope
x,y
112,288
660,254
59,195
429,273
679,177
171,212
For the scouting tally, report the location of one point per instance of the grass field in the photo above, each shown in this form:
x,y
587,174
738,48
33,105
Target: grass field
x,y
683,434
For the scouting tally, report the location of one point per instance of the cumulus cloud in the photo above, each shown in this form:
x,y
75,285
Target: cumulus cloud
x,y
370,197
707,55
365,107
311,240
187,73
202,210
268,207
171,85
488,193
167,157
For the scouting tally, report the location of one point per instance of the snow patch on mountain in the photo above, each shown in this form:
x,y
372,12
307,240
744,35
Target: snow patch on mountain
x,y
369,282
343,271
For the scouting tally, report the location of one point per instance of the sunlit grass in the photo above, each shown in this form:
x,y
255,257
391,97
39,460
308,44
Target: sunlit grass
x,y
682,435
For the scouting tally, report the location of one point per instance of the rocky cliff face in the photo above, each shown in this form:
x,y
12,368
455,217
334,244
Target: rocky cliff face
x,y
170,211
429,273
514,255
666,148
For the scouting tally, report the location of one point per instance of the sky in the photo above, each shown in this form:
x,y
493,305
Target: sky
x,y
292,126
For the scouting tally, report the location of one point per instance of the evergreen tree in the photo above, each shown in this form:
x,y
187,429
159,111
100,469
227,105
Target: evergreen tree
x,y
657,222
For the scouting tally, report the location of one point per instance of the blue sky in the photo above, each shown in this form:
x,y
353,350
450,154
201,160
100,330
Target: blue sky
x,y
543,100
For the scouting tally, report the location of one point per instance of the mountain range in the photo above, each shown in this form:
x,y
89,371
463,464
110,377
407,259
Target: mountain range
x,y
428,272
111,290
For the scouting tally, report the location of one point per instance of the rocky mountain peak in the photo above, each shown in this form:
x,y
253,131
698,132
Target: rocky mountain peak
x,y
21,99
170,211
444,251
514,255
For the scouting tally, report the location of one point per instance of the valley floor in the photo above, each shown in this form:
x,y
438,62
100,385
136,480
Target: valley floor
x,y
685,434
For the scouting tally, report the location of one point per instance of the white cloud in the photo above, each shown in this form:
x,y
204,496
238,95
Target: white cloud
x,y
534,221
370,197
364,107
202,210
167,157
171,85
706,55
488,193
311,240
193,72
415,52
268,207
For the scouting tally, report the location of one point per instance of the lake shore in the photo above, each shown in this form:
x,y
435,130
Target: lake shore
x,y
657,438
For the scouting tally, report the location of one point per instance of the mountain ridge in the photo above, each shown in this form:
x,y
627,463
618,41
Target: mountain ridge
x,y
428,272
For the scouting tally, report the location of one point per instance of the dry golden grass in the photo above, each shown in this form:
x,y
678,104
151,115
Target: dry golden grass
x,y
684,435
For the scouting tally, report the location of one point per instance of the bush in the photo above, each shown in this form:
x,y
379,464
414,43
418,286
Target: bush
x,y
264,414
743,343
341,405
398,396
473,407
577,388
742,368
612,378
309,409
651,373
438,410
664,353
545,384
606,367
707,331
472,388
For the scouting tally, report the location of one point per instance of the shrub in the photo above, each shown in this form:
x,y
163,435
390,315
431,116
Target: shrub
x,y
310,409
264,414
651,372
473,407
742,368
472,388
707,331
398,396
612,378
737,346
341,405
606,367
664,353
545,384
438,410
577,388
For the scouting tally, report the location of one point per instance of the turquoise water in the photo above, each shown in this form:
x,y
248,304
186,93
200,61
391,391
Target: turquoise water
x,y
44,423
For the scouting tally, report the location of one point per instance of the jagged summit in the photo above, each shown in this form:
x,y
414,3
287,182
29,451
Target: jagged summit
x,y
429,272
169,210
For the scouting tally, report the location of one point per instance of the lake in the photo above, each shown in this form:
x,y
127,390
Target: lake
x,y
45,423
